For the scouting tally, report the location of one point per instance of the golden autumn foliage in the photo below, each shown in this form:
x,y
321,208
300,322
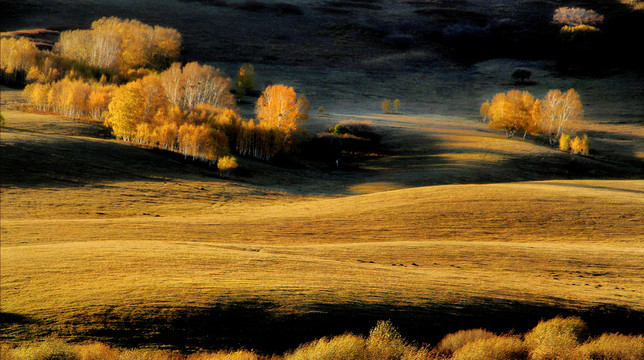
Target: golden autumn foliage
x,y
142,112
126,110
516,111
226,163
513,112
121,44
396,105
580,145
386,106
17,54
111,46
282,111
70,97
187,109
564,142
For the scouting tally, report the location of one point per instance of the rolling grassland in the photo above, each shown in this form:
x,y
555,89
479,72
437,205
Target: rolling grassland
x,y
135,247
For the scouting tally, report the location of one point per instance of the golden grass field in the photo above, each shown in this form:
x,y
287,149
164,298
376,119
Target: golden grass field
x,y
102,240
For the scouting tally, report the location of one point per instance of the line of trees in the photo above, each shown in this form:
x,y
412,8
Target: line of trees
x,y
74,98
517,111
187,109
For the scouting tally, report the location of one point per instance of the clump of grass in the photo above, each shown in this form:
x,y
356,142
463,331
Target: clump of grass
x,y
555,339
613,347
49,349
346,347
225,355
423,353
96,351
149,355
494,348
452,342
385,342
556,336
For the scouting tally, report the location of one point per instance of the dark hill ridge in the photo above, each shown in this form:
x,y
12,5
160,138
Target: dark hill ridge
x,y
346,33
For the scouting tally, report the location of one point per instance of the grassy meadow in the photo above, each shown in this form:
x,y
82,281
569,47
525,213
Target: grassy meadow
x,y
136,247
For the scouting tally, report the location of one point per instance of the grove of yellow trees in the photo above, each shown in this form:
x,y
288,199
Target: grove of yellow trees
x,y
119,45
188,109
72,98
114,47
518,111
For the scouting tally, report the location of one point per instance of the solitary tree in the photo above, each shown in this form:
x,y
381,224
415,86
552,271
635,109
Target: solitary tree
x,y
386,106
513,112
485,108
576,16
520,75
282,109
245,80
559,112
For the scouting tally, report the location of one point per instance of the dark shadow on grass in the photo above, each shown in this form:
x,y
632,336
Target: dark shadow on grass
x,y
263,326
34,159
14,319
609,188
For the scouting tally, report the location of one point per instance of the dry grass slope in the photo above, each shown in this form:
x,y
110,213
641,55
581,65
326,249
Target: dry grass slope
x,y
106,241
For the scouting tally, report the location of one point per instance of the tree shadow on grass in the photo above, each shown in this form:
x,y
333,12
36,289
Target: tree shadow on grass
x,y
34,159
13,319
265,327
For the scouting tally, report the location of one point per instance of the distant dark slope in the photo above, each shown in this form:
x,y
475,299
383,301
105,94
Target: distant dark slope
x,y
345,33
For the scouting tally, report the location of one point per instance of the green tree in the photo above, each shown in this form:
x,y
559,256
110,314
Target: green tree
x,y
245,80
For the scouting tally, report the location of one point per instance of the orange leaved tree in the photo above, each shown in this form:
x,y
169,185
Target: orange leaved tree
x,y
514,111
280,108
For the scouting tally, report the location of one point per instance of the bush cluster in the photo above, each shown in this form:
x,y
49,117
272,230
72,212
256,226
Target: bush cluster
x,y
576,16
558,338
347,137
